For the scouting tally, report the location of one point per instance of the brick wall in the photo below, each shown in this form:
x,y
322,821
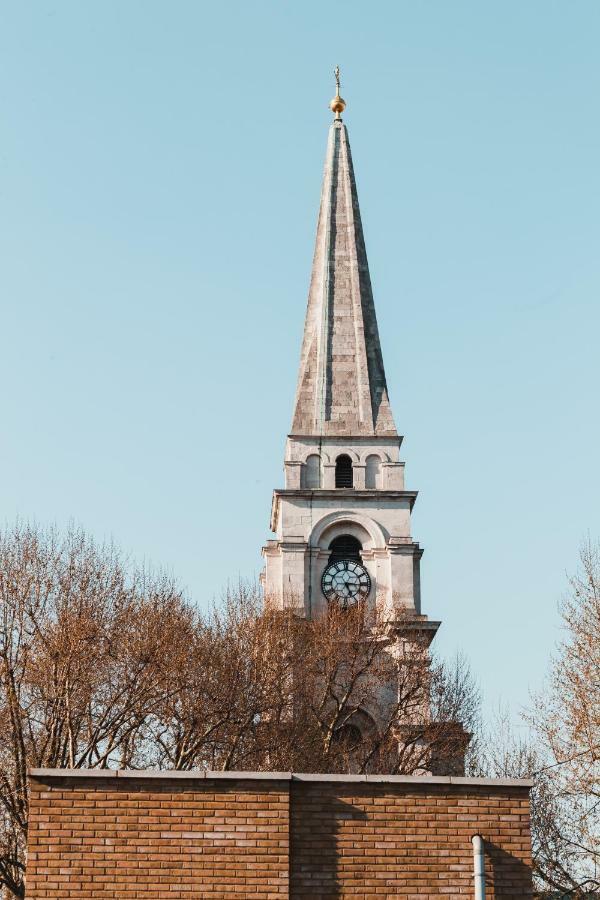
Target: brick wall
x,y
409,838
159,835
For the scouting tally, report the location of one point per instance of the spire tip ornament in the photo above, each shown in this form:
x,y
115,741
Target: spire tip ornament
x,y
337,105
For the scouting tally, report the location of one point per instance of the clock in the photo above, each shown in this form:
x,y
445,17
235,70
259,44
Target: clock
x,y
345,581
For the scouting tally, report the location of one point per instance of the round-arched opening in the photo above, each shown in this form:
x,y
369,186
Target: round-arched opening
x,y
344,476
311,472
361,526
373,471
348,737
346,546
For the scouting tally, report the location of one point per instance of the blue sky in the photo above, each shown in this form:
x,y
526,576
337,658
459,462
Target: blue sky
x,y
160,169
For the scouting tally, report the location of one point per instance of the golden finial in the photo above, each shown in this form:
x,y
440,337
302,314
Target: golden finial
x,y
337,105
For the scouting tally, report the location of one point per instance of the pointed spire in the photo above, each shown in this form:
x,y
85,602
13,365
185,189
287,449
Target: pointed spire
x,y
341,384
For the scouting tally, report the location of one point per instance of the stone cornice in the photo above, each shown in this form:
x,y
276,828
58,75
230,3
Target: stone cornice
x,y
414,624
395,439
347,494
202,774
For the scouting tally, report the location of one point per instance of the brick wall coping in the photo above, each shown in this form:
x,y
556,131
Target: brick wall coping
x,y
196,774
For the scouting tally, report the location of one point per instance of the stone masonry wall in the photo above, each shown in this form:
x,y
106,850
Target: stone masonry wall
x,y
251,835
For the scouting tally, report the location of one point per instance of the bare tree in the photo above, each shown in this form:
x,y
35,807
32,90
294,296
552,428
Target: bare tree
x,y
104,665
88,647
269,690
455,697
365,690
566,720
502,753
561,752
234,691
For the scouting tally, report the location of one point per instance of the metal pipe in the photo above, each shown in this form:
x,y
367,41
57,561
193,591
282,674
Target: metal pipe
x,y
478,867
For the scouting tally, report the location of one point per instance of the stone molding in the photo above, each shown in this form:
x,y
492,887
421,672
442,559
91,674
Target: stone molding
x,y
194,774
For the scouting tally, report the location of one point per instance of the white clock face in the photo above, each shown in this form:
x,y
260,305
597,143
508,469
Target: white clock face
x,y
345,581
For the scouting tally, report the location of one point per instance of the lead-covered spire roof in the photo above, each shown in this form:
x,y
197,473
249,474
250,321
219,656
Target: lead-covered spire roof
x,y
341,384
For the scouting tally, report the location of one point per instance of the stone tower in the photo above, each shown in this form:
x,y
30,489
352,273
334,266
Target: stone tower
x,y
343,520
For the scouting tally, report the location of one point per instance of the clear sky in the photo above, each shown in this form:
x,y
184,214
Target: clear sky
x,y
160,168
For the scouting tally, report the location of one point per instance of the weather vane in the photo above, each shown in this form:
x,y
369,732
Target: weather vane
x,y
337,105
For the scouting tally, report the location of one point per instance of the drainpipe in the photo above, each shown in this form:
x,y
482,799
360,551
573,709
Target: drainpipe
x,y
478,867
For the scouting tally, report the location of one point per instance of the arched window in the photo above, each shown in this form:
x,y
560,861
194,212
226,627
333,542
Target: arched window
x,y
343,472
347,737
311,472
344,547
373,472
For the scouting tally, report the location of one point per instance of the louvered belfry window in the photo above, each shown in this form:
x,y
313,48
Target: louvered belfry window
x,y
344,547
343,472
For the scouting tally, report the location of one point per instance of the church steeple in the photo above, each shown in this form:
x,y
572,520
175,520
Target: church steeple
x,y
342,521
341,384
